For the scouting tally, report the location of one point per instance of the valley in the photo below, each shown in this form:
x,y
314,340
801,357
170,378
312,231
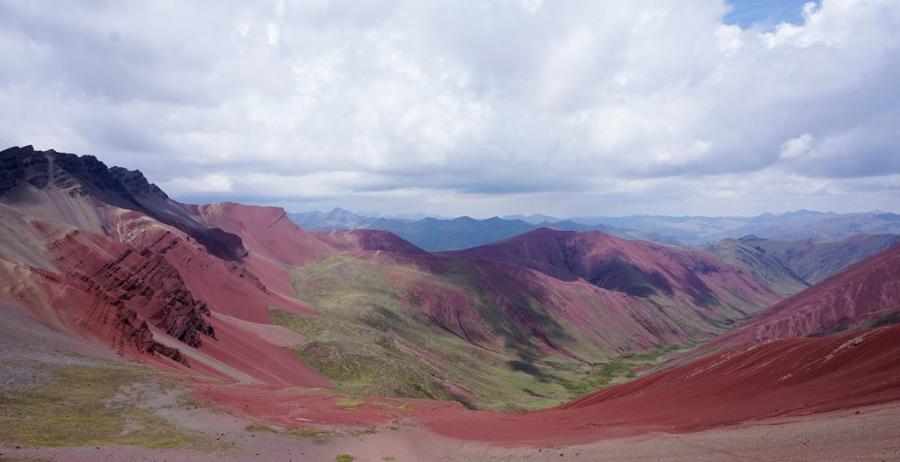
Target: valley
x,y
134,323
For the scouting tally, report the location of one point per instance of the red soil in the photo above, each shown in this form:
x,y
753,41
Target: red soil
x,y
290,408
785,377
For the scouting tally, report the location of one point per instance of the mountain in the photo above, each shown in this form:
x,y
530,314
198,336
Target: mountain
x,y
337,218
244,310
100,253
535,219
438,234
831,347
764,265
799,225
393,319
638,268
816,260
432,234
27,176
435,234
861,296
241,294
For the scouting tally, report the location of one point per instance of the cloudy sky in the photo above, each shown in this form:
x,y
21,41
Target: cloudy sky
x,y
470,107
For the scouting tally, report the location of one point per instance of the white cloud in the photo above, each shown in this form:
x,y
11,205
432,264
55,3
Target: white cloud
x,y
797,147
468,105
211,183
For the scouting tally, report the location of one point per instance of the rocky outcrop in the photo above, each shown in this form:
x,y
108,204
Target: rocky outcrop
x,y
133,289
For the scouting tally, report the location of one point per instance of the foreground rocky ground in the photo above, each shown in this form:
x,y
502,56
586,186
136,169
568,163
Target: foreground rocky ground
x,y
868,434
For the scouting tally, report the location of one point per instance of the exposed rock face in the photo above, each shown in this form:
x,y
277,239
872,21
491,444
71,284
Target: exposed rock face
x,y
127,189
134,288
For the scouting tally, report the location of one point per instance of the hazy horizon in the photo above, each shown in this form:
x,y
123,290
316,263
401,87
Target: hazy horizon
x,y
415,215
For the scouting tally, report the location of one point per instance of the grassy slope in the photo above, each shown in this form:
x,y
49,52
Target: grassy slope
x,y
766,268
81,406
368,339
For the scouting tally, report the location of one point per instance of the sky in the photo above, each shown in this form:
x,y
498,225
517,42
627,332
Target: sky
x,y
479,108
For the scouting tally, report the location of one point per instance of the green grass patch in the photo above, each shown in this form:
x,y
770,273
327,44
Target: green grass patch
x,y
79,406
403,406
348,404
344,458
317,435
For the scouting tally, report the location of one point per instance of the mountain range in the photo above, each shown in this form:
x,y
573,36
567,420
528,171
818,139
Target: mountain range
x,y
790,226
443,234
378,314
585,333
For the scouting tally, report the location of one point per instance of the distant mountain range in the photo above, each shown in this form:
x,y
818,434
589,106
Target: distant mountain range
x,y
791,266
437,234
440,234
790,226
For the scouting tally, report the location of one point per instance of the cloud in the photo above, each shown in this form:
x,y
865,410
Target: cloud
x,y
484,107
211,183
796,147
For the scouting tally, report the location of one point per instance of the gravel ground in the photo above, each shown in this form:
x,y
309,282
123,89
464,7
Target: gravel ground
x,y
30,351
869,434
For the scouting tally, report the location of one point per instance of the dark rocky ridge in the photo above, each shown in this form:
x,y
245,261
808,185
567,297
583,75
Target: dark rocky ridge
x,y
117,186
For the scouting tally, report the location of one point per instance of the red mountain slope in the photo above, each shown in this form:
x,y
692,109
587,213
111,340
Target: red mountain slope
x,y
776,369
200,281
79,252
785,377
860,296
641,269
